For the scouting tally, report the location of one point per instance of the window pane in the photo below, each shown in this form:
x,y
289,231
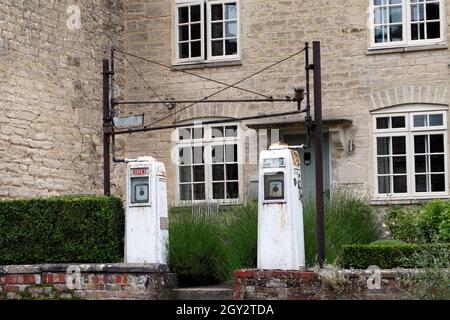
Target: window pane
x,y
198,133
199,191
195,13
396,33
437,182
436,143
380,34
230,11
383,166
383,123
436,120
216,12
417,12
433,30
398,122
217,132
395,15
185,192
420,144
185,156
184,50
395,1
183,33
230,47
231,153
217,154
218,190
198,155
398,145
384,185
417,31
195,50
420,120
421,183
232,172
218,172
400,185
231,131
383,146
437,163
199,173
399,164
184,134
378,15
433,11
185,174
217,30
195,31
421,163
217,48
231,29
183,15
232,190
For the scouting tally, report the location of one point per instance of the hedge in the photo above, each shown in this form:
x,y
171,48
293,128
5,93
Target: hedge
x,y
66,229
390,256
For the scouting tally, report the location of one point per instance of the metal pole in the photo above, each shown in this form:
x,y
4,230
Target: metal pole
x,y
318,153
106,123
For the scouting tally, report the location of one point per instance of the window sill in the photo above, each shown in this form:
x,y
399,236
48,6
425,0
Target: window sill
x,y
203,65
439,46
405,201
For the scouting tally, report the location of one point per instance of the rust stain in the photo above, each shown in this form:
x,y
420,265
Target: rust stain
x,y
295,158
164,223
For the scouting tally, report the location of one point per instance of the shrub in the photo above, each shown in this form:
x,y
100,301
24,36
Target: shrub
x,y
429,223
196,248
391,256
388,242
349,219
68,229
403,224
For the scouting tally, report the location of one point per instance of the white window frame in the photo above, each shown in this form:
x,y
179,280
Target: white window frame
x,y
406,22
206,57
208,142
409,132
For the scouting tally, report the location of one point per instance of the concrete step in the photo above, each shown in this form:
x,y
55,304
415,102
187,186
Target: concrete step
x,y
220,292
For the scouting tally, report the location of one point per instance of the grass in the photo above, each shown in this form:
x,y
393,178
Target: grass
x,y
205,247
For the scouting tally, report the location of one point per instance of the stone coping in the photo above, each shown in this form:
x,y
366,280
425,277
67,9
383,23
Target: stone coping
x,y
87,268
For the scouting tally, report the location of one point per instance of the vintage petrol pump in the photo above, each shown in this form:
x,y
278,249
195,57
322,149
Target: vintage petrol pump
x,y
280,212
146,230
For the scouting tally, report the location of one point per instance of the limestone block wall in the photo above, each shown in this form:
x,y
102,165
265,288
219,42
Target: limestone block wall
x,y
50,95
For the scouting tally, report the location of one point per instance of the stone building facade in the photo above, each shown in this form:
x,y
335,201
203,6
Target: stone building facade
x,y
50,95
385,95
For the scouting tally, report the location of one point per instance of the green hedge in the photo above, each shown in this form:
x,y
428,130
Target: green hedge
x,y
392,256
66,229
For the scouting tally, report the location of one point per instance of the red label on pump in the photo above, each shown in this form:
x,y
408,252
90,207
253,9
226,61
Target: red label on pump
x,y
139,172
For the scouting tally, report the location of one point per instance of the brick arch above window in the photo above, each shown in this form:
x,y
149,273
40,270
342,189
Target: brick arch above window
x,y
413,94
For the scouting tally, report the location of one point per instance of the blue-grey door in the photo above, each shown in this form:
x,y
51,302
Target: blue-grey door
x,y
309,172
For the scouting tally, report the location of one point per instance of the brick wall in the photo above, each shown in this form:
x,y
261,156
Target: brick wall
x,y
321,285
50,95
94,282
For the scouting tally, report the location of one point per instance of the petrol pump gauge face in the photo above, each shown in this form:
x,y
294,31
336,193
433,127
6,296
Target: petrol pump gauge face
x,y
274,186
139,190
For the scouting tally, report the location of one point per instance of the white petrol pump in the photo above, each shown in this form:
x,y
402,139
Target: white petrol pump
x,y
280,211
146,222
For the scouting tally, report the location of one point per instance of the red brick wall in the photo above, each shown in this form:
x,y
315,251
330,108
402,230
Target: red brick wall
x,y
113,281
255,284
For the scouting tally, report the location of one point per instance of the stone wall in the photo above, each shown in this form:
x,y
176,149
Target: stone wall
x,y
355,81
254,284
93,282
50,95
